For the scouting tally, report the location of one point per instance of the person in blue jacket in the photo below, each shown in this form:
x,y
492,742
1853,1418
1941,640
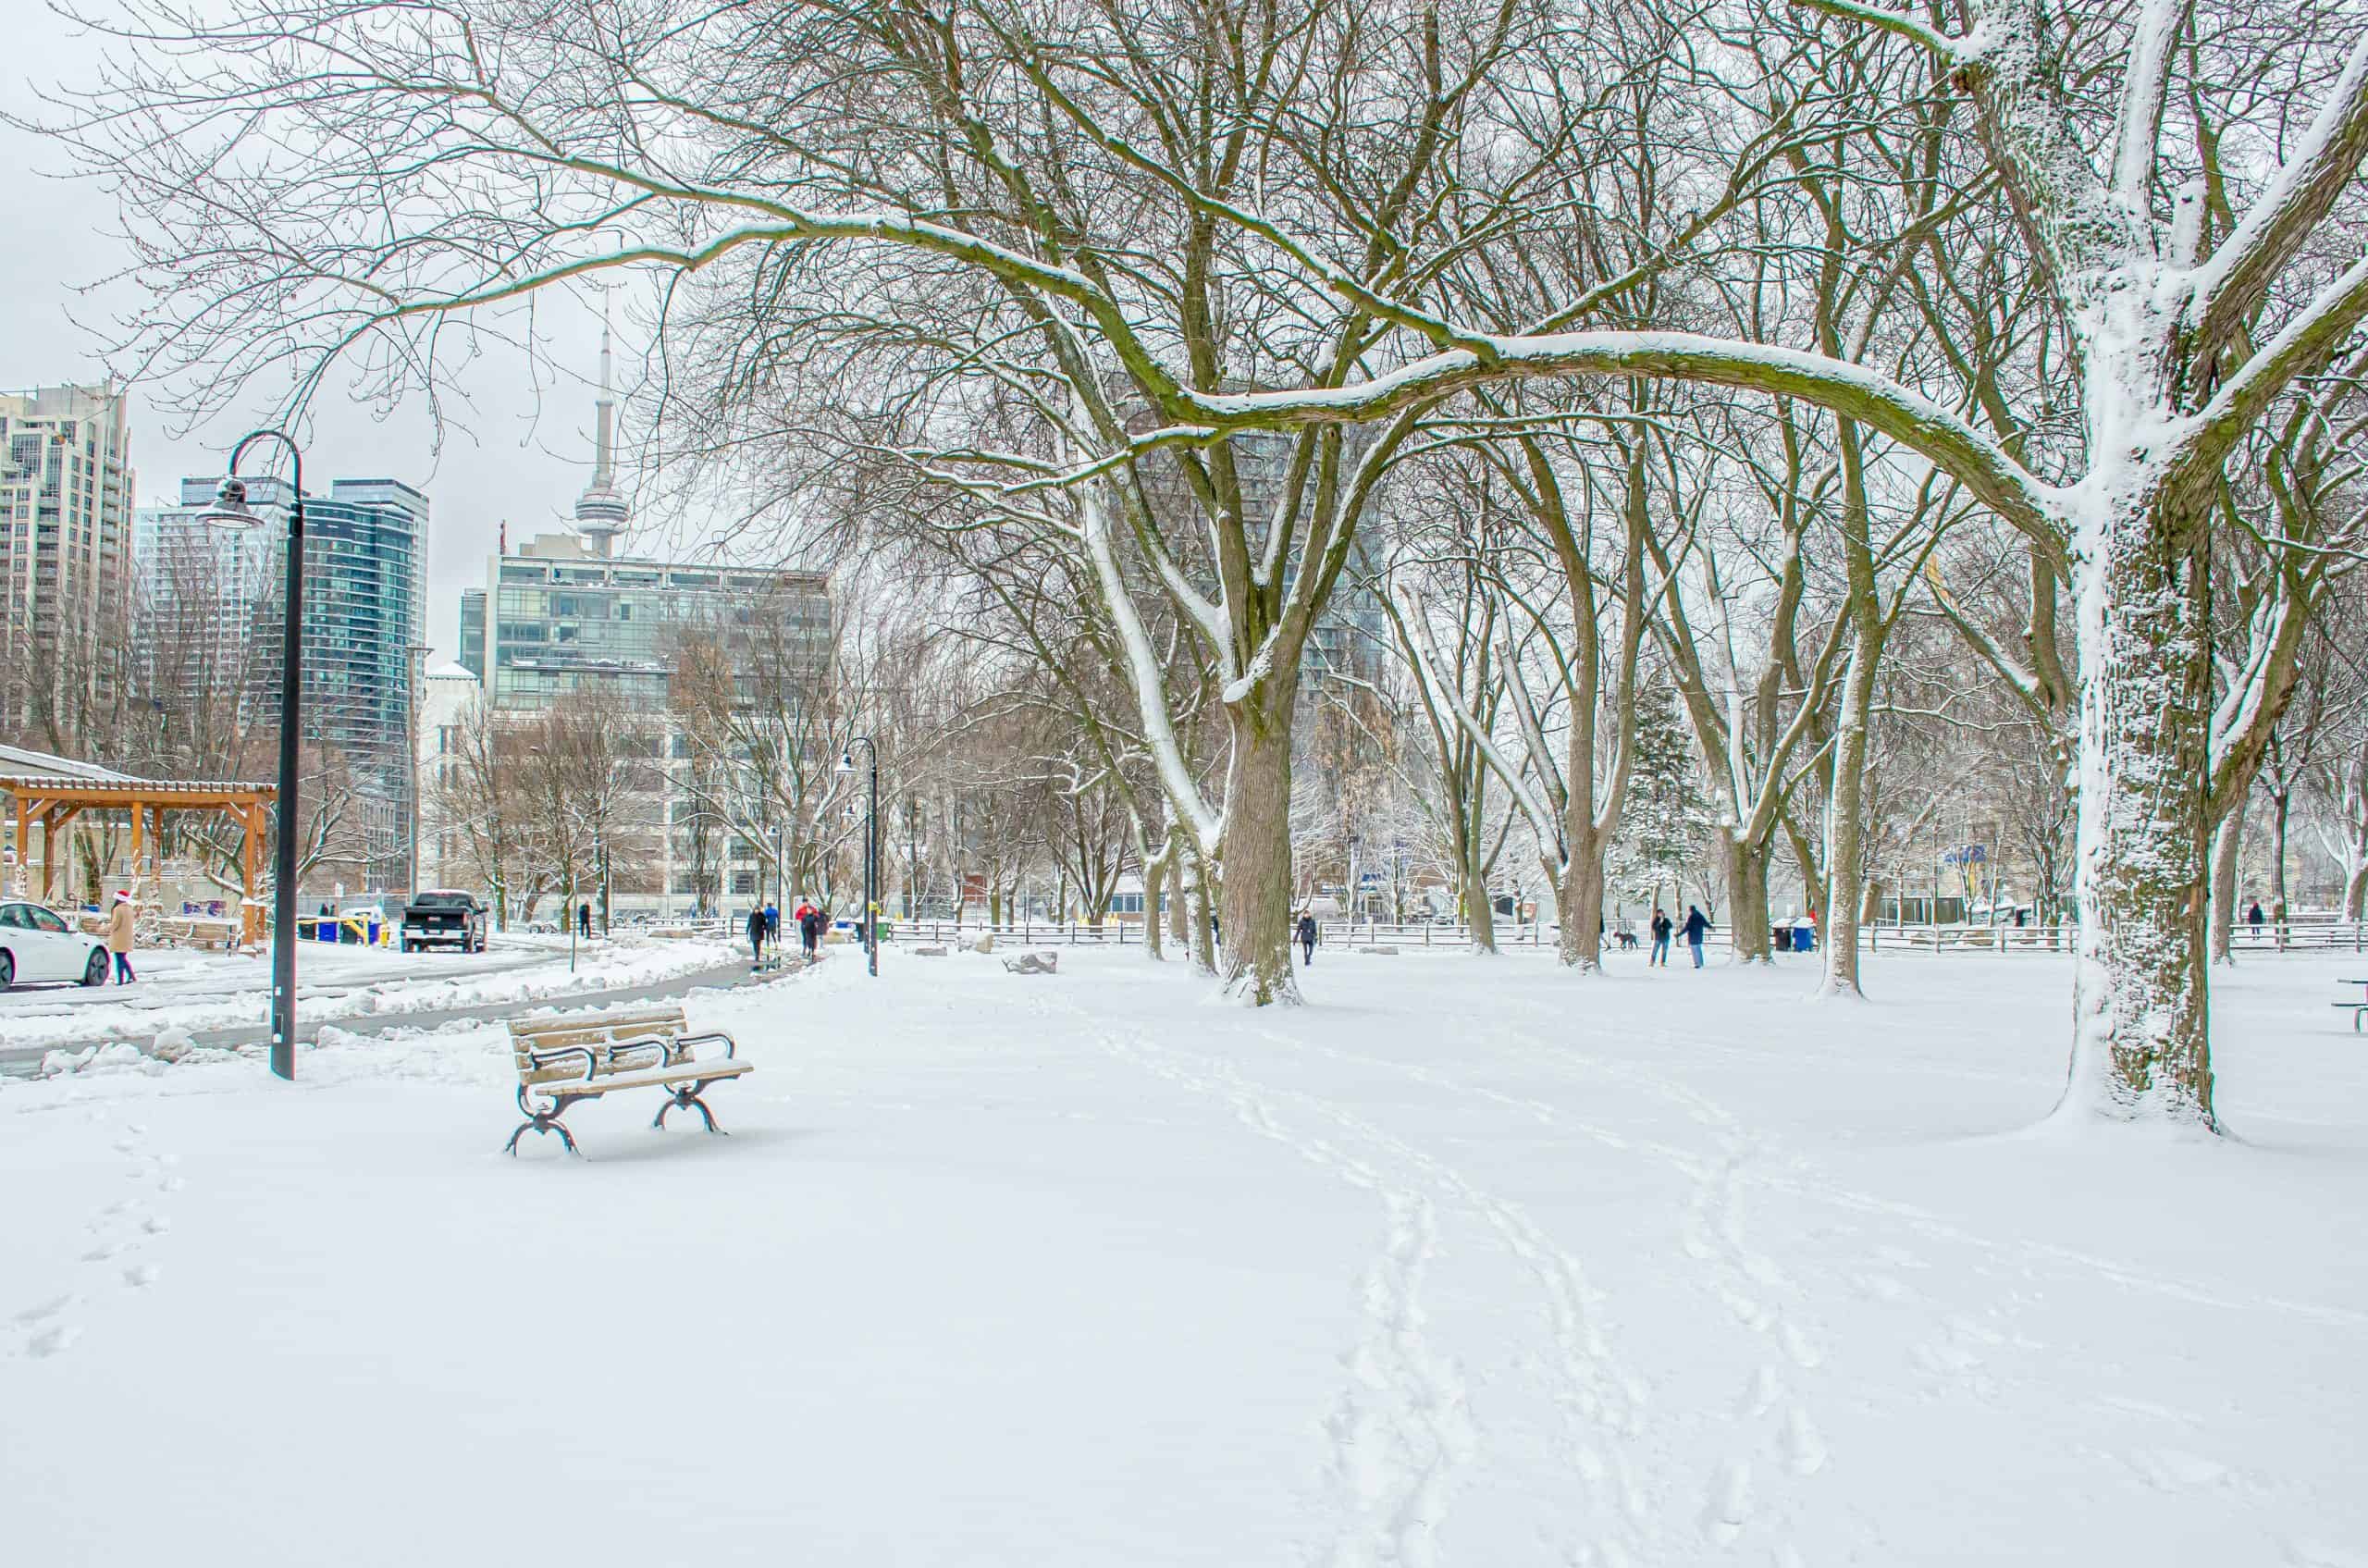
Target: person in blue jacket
x,y
1698,925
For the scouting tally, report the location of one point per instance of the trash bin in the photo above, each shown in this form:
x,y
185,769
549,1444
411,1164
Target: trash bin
x,y
1784,939
1804,940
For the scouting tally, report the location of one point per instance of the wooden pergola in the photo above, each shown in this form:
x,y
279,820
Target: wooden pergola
x,y
55,800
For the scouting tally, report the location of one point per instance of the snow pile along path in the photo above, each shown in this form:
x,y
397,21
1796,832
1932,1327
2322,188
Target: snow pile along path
x,y
1466,1263
198,992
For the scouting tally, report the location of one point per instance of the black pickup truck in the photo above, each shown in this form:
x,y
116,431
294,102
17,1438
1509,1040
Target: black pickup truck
x,y
438,915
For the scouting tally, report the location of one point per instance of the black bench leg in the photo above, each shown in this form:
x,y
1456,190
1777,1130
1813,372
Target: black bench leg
x,y
687,1099
542,1124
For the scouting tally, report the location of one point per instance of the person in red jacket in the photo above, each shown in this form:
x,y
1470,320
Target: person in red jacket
x,y
810,926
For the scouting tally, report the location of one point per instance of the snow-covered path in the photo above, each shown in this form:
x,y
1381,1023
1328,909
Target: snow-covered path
x,y
1468,1263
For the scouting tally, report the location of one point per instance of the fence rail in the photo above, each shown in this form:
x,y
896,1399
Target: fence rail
x,y
2303,933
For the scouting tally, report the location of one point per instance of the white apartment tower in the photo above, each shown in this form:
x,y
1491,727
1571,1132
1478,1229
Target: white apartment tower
x,y
66,493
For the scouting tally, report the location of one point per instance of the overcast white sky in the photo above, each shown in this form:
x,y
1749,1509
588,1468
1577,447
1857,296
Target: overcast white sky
x,y
526,455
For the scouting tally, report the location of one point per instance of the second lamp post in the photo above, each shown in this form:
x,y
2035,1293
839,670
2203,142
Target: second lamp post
x,y
871,848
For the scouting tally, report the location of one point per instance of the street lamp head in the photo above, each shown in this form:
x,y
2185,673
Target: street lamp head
x,y
846,760
231,508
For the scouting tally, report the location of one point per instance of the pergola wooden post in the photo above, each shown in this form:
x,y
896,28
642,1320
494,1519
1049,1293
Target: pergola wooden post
x,y
54,801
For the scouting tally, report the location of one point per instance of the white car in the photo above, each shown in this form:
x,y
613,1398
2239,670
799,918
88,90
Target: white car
x,y
37,943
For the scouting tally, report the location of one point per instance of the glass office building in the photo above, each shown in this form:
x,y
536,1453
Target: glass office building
x,y
473,632
563,619
365,548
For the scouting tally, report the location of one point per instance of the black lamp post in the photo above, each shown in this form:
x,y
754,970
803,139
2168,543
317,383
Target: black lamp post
x,y
1351,895
230,511
871,845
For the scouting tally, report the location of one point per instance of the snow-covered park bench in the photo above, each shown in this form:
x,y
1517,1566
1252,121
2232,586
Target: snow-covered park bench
x,y
2358,1008
565,1059
198,930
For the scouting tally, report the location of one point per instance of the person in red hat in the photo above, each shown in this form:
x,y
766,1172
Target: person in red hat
x,y
119,920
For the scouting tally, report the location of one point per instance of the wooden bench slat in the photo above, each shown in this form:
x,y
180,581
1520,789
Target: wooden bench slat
x,y
562,1023
587,1034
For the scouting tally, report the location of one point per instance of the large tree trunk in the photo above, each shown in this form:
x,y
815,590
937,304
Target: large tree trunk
x,y
2142,1042
2355,892
2227,846
1154,883
1202,944
1746,910
1478,912
1578,897
1846,840
1180,907
1256,898
2280,808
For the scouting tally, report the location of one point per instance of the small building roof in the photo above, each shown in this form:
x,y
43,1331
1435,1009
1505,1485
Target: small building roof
x,y
24,772
124,784
18,761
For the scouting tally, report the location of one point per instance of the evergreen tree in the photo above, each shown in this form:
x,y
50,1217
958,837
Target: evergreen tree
x,y
1666,818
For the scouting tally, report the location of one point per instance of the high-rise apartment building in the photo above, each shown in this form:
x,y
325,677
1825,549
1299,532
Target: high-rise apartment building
x,y
448,696
66,492
212,618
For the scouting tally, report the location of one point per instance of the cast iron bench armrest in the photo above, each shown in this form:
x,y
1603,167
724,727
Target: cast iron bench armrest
x,y
682,1042
615,1048
545,1058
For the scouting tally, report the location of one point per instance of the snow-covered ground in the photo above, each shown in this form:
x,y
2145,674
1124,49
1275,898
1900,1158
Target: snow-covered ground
x,y
1466,1263
198,991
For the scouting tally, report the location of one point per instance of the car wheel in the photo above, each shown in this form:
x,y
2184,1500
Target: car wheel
x,y
95,971
8,971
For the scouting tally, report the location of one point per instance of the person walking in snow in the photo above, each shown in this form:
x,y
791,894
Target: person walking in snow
x,y
773,924
2253,918
1697,926
1307,939
809,927
1663,927
584,922
119,920
756,939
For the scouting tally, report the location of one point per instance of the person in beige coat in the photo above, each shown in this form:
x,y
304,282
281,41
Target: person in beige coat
x,y
119,920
